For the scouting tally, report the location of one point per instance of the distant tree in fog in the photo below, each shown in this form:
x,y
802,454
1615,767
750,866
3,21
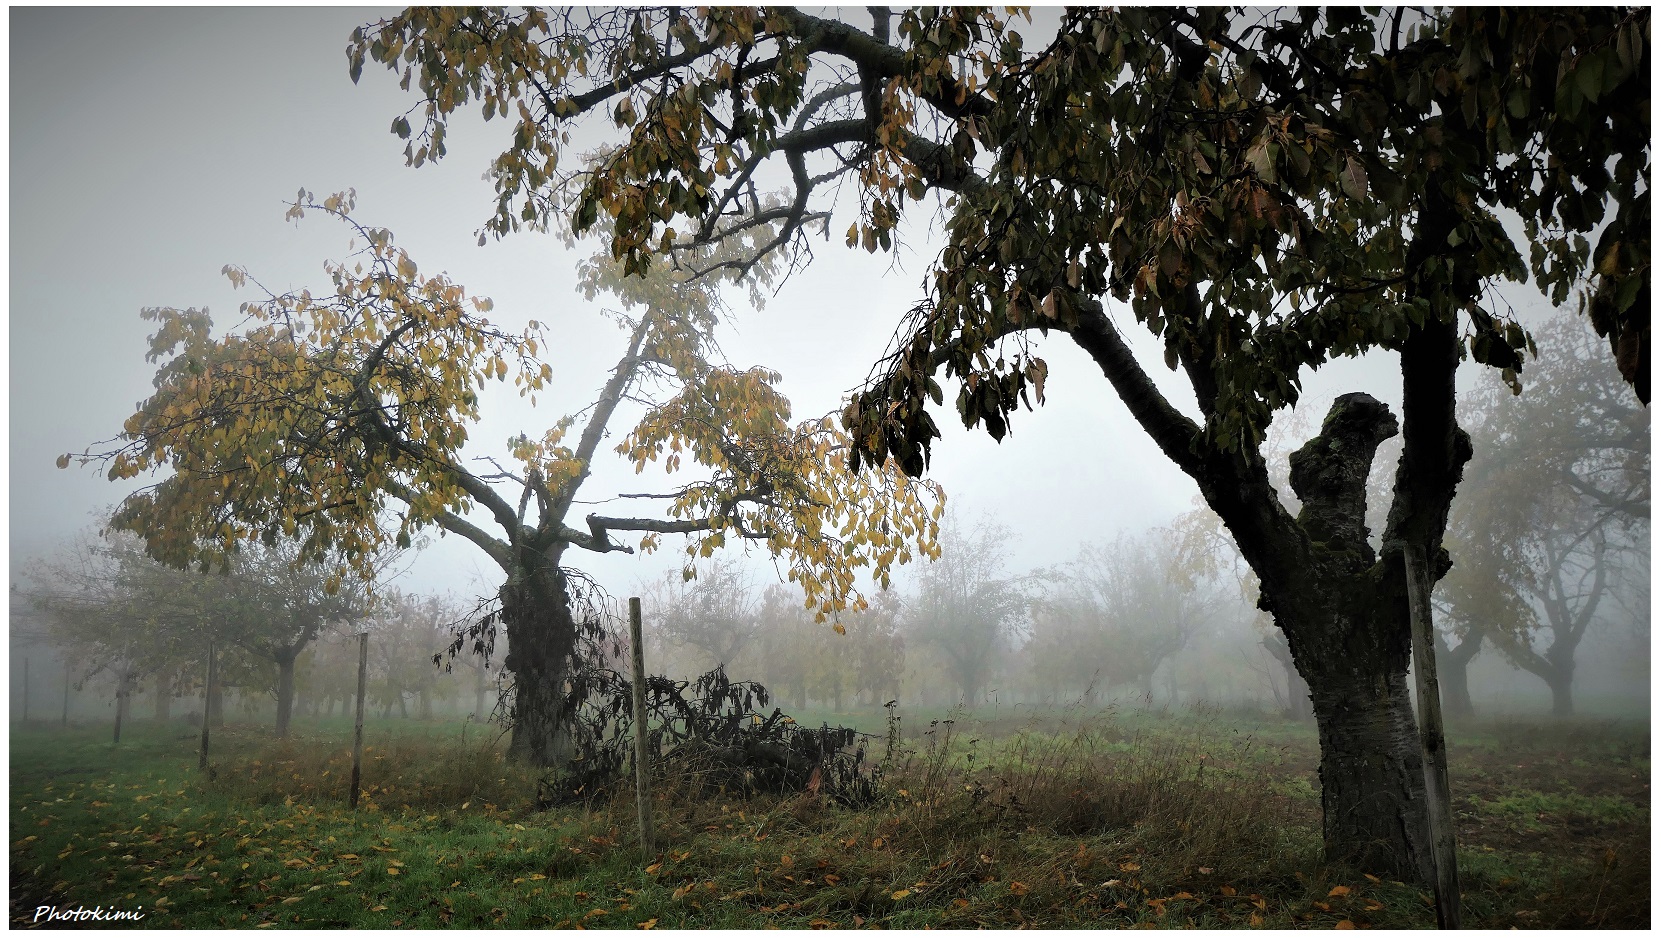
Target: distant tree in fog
x,y
713,612
1110,618
967,608
1550,532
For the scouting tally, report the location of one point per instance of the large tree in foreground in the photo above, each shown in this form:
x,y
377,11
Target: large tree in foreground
x,y
340,420
1267,190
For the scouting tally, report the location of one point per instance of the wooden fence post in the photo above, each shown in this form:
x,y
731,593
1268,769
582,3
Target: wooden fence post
x,y
642,791
357,731
207,695
1432,741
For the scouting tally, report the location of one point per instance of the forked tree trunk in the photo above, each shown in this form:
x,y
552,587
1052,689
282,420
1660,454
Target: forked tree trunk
x,y
542,636
1344,613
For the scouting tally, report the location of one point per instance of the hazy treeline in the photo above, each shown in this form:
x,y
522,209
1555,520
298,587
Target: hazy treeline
x,y
122,628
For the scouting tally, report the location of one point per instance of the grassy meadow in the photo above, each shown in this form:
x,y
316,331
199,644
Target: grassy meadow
x,y
1053,819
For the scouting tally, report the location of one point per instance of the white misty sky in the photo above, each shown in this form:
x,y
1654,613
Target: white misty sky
x,y
152,147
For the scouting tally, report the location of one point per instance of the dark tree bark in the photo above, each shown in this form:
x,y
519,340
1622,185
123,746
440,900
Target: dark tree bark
x,y
216,705
285,689
542,638
126,683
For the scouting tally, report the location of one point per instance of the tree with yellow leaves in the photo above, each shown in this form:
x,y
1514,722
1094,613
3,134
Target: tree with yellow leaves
x,y
339,420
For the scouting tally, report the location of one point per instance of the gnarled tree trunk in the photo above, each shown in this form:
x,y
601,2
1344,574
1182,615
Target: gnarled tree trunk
x,y
542,637
1343,611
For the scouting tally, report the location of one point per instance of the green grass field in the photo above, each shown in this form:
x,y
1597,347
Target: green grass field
x,y
1058,819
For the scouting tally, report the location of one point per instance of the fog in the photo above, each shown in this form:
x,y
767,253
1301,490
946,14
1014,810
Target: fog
x,y
152,147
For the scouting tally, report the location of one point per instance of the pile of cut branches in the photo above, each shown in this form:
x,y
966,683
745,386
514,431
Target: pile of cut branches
x,y
710,735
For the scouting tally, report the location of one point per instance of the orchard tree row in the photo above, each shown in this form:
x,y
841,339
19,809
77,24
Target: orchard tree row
x,y
282,634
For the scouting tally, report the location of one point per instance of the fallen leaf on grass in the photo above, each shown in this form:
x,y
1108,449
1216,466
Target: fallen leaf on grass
x,y
1018,888
901,894
648,924
1346,923
1129,866
1339,891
